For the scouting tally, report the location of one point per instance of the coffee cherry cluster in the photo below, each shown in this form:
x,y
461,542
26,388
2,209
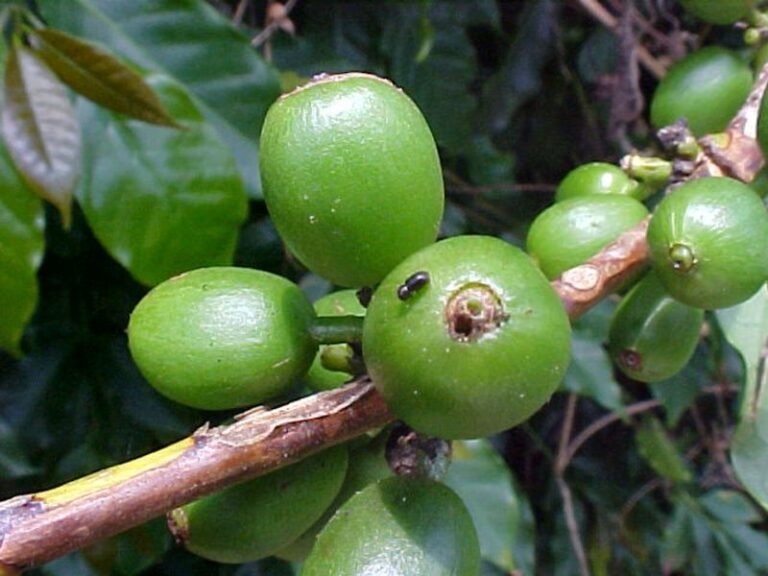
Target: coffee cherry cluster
x,y
463,337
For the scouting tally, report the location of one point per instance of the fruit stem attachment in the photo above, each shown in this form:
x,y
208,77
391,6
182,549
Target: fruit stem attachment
x,y
651,173
337,329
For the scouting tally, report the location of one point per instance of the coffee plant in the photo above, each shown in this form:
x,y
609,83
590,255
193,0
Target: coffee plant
x,y
360,288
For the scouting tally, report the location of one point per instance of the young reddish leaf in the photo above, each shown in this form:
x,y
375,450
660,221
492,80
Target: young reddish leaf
x,y
40,129
99,76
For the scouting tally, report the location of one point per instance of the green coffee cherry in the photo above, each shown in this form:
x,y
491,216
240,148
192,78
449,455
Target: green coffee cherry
x,y
595,178
400,526
708,243
477,349
320,377
351,177
706,88
719,11
570,232
220,338
255,519
367,465
652,335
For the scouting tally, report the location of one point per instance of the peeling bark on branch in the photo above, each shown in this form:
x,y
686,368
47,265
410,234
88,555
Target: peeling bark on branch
x,y
37,528
582,287
40,527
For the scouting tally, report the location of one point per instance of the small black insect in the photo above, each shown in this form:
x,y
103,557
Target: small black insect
x,y
413,283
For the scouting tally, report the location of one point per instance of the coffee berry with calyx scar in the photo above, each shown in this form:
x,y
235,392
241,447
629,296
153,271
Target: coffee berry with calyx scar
x,y
653,336
475,350
708,243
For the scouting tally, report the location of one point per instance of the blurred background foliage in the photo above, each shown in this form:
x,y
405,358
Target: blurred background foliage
x,y
517,93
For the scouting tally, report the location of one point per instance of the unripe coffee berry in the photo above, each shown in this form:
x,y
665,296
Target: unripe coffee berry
x,y
477,349
708,242
351,177
220,338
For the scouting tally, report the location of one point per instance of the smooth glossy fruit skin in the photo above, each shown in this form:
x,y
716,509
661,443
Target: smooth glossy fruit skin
x,y
367,465
718,11
220,338
398,527
254,519
706,88
351,177
595,178
570,232
341,303
708,243
477,350
653,336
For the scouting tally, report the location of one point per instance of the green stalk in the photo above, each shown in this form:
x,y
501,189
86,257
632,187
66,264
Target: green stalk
x,y
337,329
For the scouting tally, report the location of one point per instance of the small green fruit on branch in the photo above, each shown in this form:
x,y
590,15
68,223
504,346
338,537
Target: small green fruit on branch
x,y
582,287
38,528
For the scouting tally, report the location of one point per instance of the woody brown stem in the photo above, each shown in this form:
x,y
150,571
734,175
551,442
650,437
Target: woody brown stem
x,y
582,287
37,528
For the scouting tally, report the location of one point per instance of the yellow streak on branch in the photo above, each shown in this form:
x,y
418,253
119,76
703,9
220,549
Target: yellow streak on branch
x,y
104,479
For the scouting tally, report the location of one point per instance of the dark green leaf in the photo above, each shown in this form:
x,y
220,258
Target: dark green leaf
x,y
678,393
13,461
161,201
454,220
386,39
21,250
141,547
591,373
749,454
730,506
751,543
520,76
598,55
439,84
705,560
500,512
486,164
69,565
678,538
40,129
746,328
190,41
658,450
735,563
99,76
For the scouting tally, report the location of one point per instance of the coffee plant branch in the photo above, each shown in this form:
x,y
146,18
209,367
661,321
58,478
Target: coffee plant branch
x,y
37,528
